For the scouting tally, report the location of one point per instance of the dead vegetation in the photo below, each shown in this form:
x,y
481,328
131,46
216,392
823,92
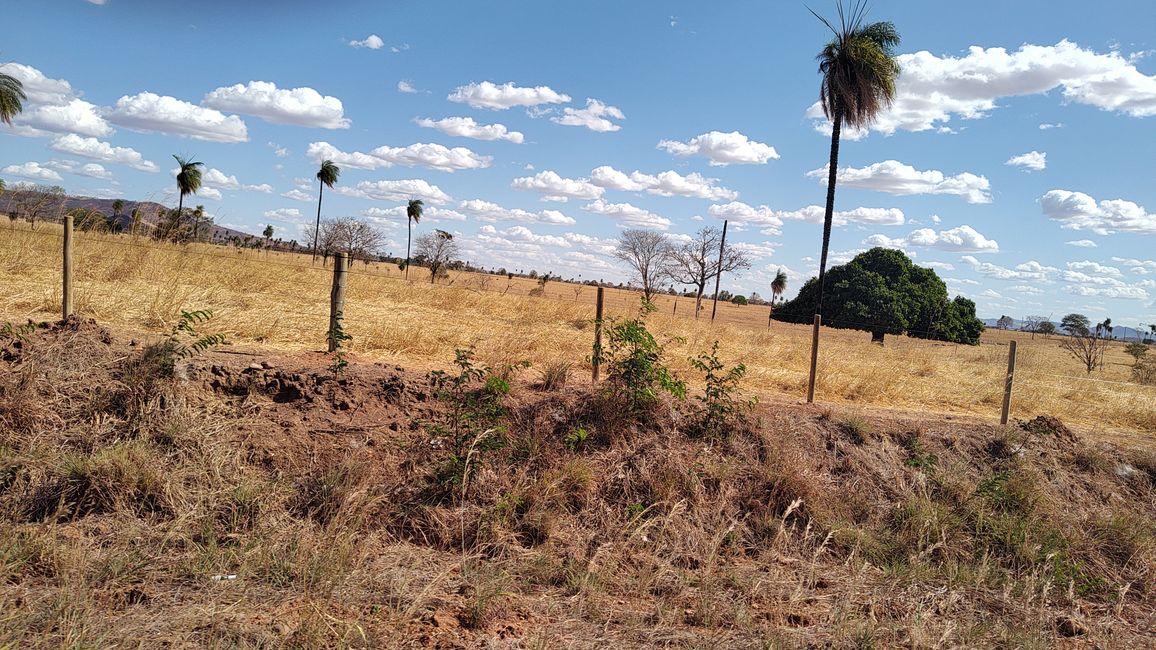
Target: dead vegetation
x,y
240,501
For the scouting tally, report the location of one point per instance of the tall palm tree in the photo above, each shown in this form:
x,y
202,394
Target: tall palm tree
x,y
188,182
859,72
12,98
778,285
413,213
326,176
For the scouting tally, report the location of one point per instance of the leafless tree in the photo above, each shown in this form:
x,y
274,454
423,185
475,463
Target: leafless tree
x,y
696,262
41,202
1086,345
647,253
435,250
346,234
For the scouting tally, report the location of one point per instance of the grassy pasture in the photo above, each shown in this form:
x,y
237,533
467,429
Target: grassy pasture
x,y
280,301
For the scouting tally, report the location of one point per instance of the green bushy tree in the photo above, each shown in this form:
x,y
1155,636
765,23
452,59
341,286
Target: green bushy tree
x,y
883,292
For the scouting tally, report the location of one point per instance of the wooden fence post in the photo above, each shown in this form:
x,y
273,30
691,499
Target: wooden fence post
x,y
337,298
596,358
718,273
67,290
814,359
1007,387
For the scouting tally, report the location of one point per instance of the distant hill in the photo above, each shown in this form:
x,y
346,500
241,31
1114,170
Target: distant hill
x,y
1119,332
11,200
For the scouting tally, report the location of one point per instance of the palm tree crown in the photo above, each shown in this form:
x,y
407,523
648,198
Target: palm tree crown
x,y
778,285
858,67
188,176
188,182
328,173
413,212
12,97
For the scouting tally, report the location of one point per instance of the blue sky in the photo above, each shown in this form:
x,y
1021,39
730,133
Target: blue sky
x,y
1017,160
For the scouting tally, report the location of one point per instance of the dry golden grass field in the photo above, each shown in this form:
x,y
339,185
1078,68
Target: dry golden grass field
x,y
279,301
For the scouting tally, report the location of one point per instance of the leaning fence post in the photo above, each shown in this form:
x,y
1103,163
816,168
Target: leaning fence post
x,y
67,291
814,359
596,358
337,297
1007,387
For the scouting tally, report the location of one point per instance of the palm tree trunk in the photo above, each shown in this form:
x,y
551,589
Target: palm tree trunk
x,y
828,215
408,237
180,211
317,224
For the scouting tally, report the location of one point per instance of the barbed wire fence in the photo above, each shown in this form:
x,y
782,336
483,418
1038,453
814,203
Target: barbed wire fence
x,y
344,267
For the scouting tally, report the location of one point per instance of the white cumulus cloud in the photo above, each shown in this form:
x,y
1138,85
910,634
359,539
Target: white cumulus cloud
x,y
296,107
33,170
433,156
163,114
372,42
630,215
1032,161
963,239
722,149
288,215
596,116
466,127
1082,243
102,151
404,86
1030,270
494,97
1078,211
487,211
894,177
394,190
555,188
668,183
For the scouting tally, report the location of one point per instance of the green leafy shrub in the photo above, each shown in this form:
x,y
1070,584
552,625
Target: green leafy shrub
x,y
472,428
633,361
720,407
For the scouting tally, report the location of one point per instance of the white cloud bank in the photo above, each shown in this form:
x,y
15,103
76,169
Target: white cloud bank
x,y
963,239
722,149
596,117
1078,211
894,177
295,107
494,97
1032,161
466,127
96,150
154,113
371,42
433,156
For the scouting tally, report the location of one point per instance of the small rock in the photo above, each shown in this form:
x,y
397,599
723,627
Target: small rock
x,y
132,343
255,366
266,365
1069,627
